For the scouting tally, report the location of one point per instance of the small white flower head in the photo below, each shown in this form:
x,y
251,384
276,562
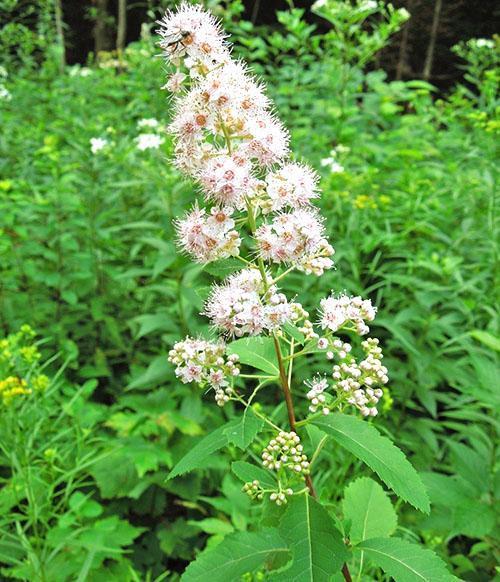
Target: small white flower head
x,y
267,139
332,164
226,179
285,452
338,311
175,81
483,43
292,185
146,141
97,144
317,387
242,306
151,123
208,237
297,238
193,34
357,382
204,363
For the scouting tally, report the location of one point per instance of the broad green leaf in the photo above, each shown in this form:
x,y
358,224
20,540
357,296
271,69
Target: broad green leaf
x,y
156,373
404,561
365,442
244,431
197,456
248,472
236,555
318,551
213,526
257,352
369,509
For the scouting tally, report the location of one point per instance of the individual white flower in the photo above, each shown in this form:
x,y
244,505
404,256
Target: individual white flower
x,y
148,122
241,305
208,237
297,238
174,83
368,5
337,311
484,43
97,144
292,185
147,141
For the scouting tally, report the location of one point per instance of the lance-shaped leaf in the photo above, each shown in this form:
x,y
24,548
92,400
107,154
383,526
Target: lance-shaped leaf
x,y
365,442
236,555
406,562
369,509
248,472
243,432
318,550
197,456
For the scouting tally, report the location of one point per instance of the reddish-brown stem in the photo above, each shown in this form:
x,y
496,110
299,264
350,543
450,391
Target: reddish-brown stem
x,y
291,419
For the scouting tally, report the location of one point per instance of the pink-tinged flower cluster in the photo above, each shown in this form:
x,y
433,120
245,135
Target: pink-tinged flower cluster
x,y
296,238
292,185
192,34
208,236
205,363
339,311
241,305
315,394
358,382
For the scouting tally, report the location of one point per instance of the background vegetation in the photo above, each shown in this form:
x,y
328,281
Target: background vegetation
x,y
87,260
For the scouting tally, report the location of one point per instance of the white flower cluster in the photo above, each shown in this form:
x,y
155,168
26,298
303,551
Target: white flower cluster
x,y
242,305
98,144
359,381
315,394
285,451
208,237
296,238
205,362
227,138
338,311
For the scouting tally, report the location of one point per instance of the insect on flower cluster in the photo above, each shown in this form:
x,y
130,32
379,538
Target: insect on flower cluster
x,y
256,205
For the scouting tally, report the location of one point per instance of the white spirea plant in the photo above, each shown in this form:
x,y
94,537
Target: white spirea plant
x,y
256,208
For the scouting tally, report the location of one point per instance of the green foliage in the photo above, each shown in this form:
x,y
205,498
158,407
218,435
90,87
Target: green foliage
x,y
380,454
119,466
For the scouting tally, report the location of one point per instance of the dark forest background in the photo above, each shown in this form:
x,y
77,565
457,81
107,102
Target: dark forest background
x,y
420,50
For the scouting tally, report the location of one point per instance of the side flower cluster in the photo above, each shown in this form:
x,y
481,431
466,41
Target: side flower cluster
x,y
285,451
339,311
205,363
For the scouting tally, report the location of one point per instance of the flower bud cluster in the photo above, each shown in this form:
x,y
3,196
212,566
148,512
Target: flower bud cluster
x,y
12,387
296,238
358,382
208,237
285,451
205,362
338,311
317,387
242,305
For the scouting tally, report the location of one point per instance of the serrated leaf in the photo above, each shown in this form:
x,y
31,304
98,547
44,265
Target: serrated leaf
x,y
369,509
248,472
197,456
236,555
258,352
223,268
365,442
318,551
243,433
406,562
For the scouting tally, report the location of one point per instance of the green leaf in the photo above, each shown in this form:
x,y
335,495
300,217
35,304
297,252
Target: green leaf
x,y
236,555
257,352
406,562
213,526
156,373
486,338
223,268
365,442
370,510
317,548
243,433
198,454
248,472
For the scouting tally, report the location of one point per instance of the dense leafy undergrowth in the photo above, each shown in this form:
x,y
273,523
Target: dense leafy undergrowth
x,y
87,259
